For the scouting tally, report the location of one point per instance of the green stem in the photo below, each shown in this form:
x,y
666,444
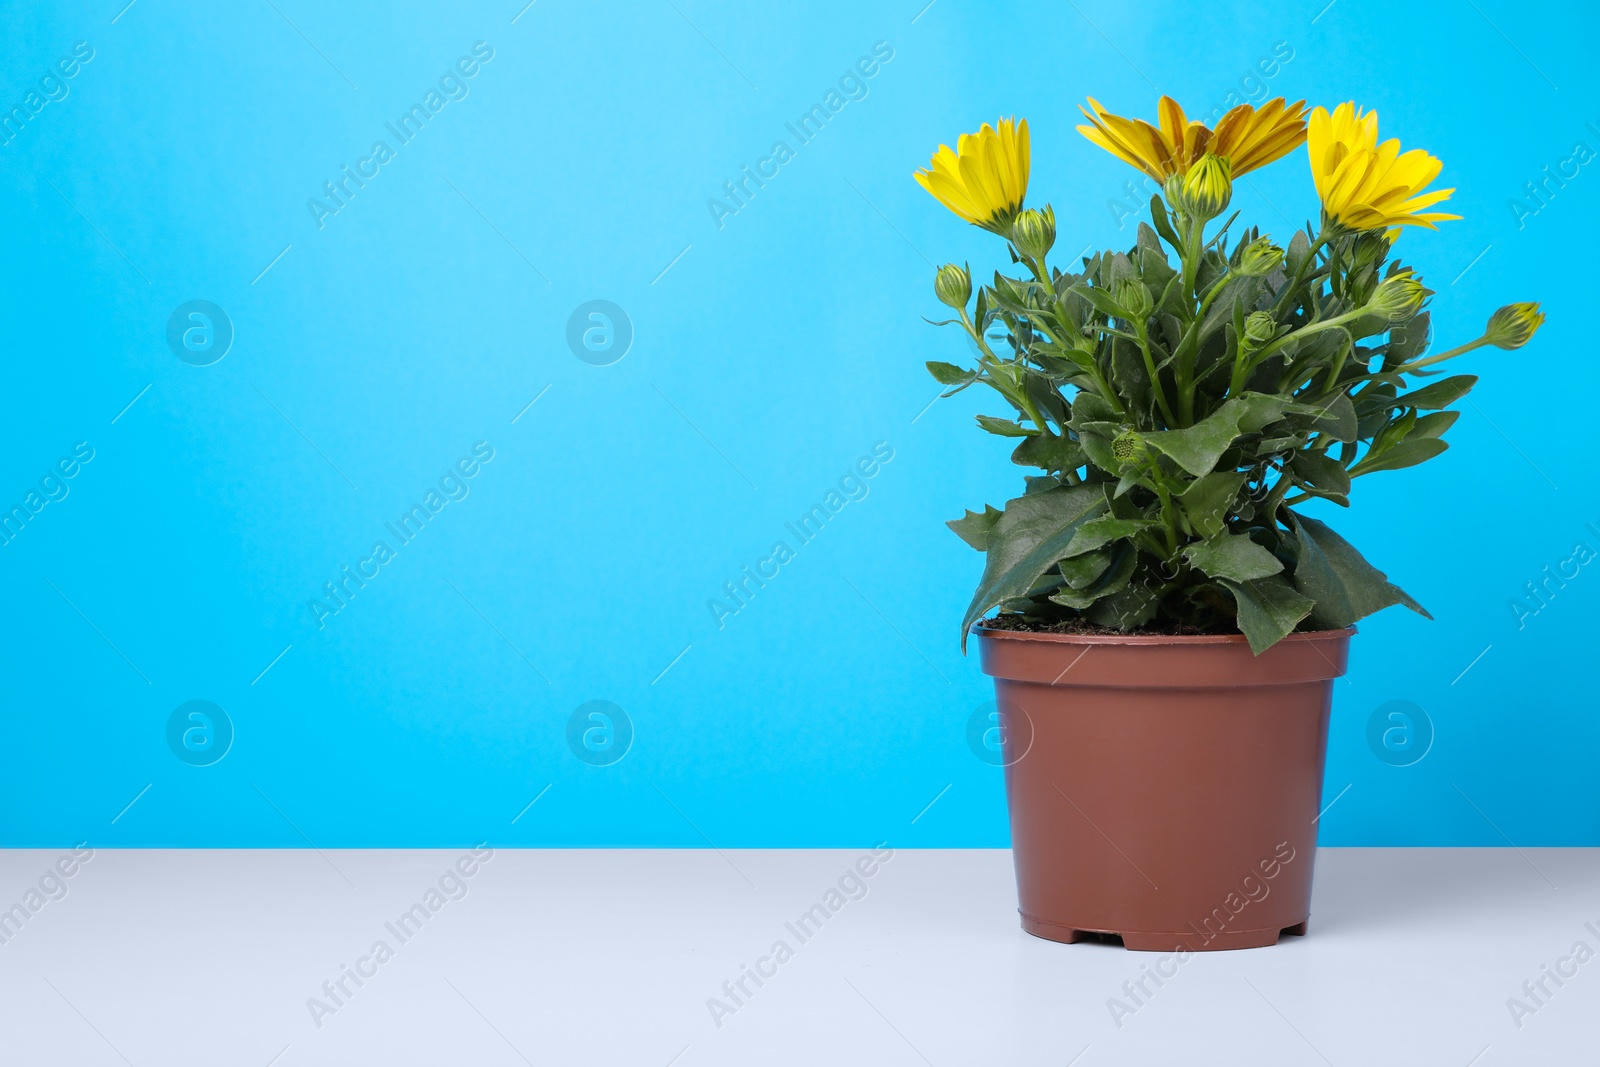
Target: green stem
x,y
1303,332
1185,383
1299,275
1407,368
1241,367
1169,516
1337,368
1150,369
1243,364
1211,294
1038,420
1307,331
1020,397
1189,351
1277,493
1109,396
1190,254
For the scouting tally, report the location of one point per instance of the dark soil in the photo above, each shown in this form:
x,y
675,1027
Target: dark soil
x,y
1078,626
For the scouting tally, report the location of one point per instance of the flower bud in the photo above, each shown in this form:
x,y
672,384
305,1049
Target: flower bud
x,y
1259,258
1128,447
1369,252
1397,297
1513,325
1203,191
1259,328
953,286
1131,295
1034,232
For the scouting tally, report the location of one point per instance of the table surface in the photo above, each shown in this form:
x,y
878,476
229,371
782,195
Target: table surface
x,y
291,957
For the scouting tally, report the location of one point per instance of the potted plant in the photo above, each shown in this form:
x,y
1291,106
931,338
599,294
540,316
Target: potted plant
x,y
1170,622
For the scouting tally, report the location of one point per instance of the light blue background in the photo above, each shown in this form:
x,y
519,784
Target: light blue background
x,y
775,351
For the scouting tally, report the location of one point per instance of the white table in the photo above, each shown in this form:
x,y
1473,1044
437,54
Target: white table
x,y
609,956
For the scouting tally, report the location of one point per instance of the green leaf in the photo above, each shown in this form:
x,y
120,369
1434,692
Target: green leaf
x,y
1269,609
1237,335
1061,360
1039,483
974,526
1010,294
1208,500
1098,449
1101,299
1336,417
1048,452
1433,425
1373,405
1236,291
1004,427
1128,375
1088,408
1322,471
1046,583
1299,248
1117,267
1407,453
1268,447
1029,537
950,374
1440,394
1128,608
1344,586
1076,599
1232,556
1127,482
1123,561
1393,432
1046,397
1154,269
1084,571
1257,411
1407,341
1097,533
1158,216
1197,448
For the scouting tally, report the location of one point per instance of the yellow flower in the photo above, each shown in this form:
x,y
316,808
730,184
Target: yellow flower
x,y
985,178
1365,185
1248,137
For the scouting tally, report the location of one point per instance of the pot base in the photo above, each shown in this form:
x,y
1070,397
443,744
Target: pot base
x,y
1142,941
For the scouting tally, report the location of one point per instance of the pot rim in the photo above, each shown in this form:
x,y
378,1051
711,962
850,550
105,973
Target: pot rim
x,y
1146,640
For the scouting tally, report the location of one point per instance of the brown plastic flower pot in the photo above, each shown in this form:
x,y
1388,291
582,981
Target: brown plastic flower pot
x,y
1164,789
